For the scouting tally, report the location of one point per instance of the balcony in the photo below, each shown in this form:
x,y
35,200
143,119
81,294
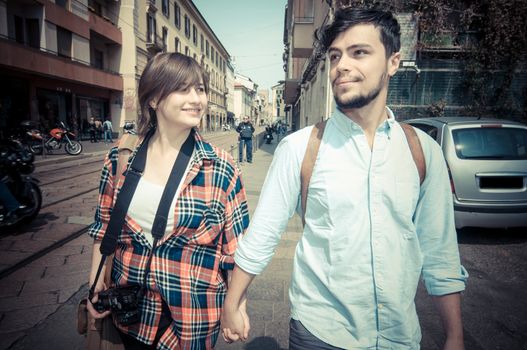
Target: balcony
x,y
45,63
104,26
155,44
302,37
291,90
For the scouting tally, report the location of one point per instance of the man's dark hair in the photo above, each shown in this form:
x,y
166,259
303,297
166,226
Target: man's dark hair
x,y
349,17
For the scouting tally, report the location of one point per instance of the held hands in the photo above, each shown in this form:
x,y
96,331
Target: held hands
x,y
235,321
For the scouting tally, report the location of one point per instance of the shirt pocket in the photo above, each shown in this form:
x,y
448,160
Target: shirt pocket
x,y
406,196
209,229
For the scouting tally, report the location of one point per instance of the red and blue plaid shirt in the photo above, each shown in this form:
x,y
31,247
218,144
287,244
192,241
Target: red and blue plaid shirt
x,y
188,266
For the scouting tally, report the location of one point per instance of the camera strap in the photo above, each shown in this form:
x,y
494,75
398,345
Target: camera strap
x,y
125,195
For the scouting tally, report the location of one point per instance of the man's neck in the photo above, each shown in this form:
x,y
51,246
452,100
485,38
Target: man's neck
x,y
369,117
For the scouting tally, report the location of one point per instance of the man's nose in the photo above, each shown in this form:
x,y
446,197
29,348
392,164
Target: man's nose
x,y
344,64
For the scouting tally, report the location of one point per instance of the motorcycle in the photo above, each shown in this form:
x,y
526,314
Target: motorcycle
x,y
16,165
268,137
59,136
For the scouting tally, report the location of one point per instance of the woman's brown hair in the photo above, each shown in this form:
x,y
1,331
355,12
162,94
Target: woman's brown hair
x,y
164,74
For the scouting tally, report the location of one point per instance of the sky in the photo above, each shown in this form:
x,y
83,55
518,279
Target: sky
x,y
252,32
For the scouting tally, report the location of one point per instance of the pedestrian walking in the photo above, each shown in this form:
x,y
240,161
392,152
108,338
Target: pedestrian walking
x,y
98,129
179,261
375,220
246,131
92,130
108,130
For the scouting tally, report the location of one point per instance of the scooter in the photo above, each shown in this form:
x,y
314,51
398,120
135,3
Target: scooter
x,y
59,136
268,137
16,165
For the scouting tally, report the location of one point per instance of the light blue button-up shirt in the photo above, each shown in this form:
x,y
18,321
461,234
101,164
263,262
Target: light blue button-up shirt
x,y
371,231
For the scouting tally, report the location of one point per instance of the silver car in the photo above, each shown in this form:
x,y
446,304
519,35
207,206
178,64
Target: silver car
x,y
487,162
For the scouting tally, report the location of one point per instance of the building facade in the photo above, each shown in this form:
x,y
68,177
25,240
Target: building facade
x,y
69,60
245,91
429,82
59,62
278,104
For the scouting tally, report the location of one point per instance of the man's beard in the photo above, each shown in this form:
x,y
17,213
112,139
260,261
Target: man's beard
x,y
361,100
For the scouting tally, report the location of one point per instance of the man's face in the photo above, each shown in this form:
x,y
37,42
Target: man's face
x,y
359,69
245,120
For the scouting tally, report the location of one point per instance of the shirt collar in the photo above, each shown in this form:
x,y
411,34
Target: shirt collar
x,y
350,128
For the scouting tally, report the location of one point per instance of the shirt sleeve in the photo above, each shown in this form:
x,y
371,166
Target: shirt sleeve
x,y
236,221
434,220
277,203
105,200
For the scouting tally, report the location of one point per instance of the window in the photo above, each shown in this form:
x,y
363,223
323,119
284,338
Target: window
x,y
201,40
207,48
33,32
195,35
195,57
165,37
187,26
98,59
95,7
177,15
305,12
62,3
212,54
216,58
63,42
150,28
165,8
177,45
186,51
490,143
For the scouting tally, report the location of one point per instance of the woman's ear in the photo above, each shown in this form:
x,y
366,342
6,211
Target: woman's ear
x,y
153,104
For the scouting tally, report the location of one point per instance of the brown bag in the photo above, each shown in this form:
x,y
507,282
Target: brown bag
x,y
310,158
102,334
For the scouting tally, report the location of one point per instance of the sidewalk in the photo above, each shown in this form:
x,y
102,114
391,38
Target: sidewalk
x,y
55,301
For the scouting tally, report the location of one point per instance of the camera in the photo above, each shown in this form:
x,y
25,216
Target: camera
x,y
123,302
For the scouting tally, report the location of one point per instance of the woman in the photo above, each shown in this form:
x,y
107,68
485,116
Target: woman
x,y
183,295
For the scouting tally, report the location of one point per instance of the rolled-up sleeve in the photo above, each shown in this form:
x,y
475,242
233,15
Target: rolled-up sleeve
x,y
434,220
236,221
105,199
277,203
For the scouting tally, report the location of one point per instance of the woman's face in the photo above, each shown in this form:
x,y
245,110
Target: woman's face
x,y
183,109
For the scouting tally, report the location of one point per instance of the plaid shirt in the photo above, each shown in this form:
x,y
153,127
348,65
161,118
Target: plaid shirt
x,y
187,266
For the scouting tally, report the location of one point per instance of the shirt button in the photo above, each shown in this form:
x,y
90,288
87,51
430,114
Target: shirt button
x,y
380,306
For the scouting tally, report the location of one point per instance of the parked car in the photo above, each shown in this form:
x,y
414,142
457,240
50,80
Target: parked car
x,y
487,163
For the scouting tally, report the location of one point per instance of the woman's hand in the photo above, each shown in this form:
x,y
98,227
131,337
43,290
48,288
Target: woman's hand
x,y
89,305
235,321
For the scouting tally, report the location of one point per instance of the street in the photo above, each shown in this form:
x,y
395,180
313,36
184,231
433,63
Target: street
x,y
38,296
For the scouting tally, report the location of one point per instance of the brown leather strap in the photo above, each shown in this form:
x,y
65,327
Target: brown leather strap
x,y
127,145
416,149
308,163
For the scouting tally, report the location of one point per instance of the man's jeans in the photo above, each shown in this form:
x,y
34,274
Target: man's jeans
x,y
249,149
108,136
300,338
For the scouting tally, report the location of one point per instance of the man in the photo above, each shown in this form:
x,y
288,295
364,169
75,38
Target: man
x,y
371,229
107,128
246,130
92,129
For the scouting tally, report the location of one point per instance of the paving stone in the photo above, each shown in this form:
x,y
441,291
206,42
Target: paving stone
x,y
20,320
27,301
10,288
266,289
260,310
30,246
50,260
5,244
281,311
81,220
83,258
25,273
9,257
55,283
279,330
8,339
68,269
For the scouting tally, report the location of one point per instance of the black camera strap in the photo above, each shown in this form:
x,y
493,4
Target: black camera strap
x,y
125,195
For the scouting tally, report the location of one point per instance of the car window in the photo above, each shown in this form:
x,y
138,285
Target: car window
x,y
429,129
490,143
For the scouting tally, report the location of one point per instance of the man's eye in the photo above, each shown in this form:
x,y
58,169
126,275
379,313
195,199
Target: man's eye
x,y
360,52
334,57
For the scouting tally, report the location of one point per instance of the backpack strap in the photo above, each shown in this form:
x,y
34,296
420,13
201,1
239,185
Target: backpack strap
x,y
310,157
417,150
308,163
126,146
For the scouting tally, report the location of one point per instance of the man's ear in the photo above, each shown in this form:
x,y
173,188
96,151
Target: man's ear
x,y
393,63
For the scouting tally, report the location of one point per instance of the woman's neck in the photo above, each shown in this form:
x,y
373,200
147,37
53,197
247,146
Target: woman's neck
x,y
167,141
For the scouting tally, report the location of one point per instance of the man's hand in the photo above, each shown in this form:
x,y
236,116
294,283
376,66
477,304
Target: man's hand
x,y
235,321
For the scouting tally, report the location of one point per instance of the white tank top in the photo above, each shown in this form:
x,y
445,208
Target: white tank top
x,y
144,204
